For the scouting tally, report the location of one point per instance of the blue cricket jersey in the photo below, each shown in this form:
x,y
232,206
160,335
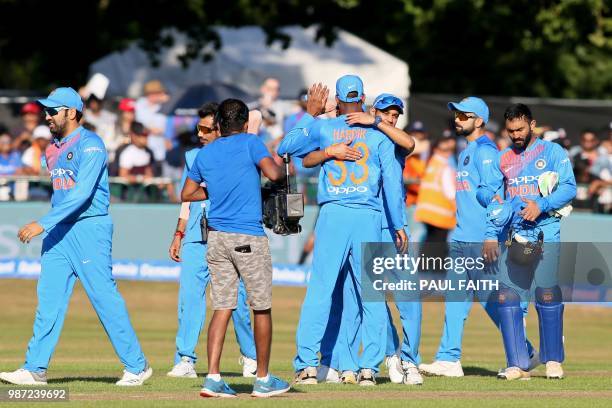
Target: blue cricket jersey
x,y
400,160
473,169
196,208
351,184
78,167
515,173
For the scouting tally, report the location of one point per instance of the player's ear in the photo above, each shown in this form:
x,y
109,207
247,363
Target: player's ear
x,y
363,98
532,125
372,111
479,122
72,114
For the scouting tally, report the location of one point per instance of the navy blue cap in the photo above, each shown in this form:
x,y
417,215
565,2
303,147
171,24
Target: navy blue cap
x,y
67,97
347,84
384,100
471,104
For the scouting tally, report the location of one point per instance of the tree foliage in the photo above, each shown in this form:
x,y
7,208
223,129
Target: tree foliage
x,y
560,48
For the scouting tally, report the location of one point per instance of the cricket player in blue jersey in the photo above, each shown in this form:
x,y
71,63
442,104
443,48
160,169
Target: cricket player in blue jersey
x,y
537,183
474,168
347,191
77,244
194,272
402,368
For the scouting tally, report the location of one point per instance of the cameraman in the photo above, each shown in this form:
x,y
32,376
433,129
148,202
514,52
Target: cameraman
x,y
237,245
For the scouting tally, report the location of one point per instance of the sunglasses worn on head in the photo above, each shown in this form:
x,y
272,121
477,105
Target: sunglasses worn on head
x,y
390,101
463,116
54,111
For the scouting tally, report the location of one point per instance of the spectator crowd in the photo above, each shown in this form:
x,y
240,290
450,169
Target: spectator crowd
x,y
146,145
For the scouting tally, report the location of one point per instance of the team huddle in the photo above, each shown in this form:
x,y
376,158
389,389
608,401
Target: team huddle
x,y
516,197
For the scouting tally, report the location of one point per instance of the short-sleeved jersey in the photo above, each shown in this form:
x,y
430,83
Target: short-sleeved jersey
x,y
196,208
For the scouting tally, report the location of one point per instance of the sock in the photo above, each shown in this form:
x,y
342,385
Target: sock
x,y
214,377
264,379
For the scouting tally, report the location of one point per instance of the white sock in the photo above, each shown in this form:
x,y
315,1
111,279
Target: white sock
x,y
264,379
214,377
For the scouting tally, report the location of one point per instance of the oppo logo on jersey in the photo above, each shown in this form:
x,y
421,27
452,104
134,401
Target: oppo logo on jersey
x,y
62,172
346,190
522,180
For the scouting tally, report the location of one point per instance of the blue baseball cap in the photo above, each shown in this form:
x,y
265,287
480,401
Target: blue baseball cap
x,y
67,97
471,104
347,84
384,100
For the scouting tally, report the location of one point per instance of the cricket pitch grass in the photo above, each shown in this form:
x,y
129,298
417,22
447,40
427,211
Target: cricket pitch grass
x,y
84,361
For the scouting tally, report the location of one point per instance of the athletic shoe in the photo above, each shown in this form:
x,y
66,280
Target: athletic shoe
x,y
183,369
554,370
348,377
270,388
249,367
22,376
366,378
327,374
411,374
513,373
394,366
216,389
443,368
307,376
133,380
534,361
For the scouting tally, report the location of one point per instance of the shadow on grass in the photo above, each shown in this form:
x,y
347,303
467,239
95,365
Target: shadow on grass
x,y
479,371
224,374
106,380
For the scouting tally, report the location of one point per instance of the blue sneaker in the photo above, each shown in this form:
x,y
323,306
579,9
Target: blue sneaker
x,y
273,386
218,389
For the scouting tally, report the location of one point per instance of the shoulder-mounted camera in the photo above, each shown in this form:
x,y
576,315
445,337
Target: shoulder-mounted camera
x,y
282,207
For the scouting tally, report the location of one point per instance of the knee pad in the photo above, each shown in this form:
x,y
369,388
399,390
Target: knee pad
x,y
548,296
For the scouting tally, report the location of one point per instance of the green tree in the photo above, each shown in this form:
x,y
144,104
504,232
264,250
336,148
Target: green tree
x,y
560,48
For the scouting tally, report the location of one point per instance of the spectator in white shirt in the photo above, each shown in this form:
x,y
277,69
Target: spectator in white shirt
x,y
136,160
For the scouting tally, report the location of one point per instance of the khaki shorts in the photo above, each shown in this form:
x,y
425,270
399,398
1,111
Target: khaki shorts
x,y
232,256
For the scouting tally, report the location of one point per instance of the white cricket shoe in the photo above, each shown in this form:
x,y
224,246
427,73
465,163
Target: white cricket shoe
x,y
22,376
328,375
366,378
133,380
307,376
394,366
249,366
513,373
443,368
183,369
411,374
554,370
348,377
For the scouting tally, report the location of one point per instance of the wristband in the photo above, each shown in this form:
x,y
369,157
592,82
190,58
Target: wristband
x,y
179,234
377,121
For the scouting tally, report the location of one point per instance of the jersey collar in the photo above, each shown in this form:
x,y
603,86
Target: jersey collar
x,y
66,139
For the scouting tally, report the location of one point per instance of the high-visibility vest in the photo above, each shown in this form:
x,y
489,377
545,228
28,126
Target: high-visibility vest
x,y
433,207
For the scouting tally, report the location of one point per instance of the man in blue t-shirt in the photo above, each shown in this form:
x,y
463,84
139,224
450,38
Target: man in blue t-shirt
x,y
237,245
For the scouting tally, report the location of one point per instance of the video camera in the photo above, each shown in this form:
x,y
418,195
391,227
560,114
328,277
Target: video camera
x,y
282,207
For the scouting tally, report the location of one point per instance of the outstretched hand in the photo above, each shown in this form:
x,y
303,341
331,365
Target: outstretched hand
x,y
317,99
342,151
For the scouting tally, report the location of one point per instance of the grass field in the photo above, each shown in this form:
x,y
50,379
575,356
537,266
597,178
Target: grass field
x,y
85,363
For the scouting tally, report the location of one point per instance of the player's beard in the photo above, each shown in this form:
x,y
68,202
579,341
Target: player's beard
x,y
461,131
523,143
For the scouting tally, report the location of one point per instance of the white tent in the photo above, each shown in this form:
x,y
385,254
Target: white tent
x,y
245,61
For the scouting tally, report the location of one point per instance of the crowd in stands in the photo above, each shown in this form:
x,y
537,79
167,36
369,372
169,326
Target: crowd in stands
x,y
144,143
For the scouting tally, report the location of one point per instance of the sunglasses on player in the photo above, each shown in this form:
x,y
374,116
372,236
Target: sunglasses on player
x,y
462,116
389,101
54,111
205,129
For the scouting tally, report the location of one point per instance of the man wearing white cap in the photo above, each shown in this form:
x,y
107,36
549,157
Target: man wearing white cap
x,y
33,158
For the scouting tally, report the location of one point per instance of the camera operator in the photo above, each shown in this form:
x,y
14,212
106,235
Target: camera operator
x,y
237,245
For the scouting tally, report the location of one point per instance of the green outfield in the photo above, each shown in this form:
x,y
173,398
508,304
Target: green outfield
x,y
85,363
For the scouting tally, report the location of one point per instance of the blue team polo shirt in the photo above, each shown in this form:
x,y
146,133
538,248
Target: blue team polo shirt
x,y
229,167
